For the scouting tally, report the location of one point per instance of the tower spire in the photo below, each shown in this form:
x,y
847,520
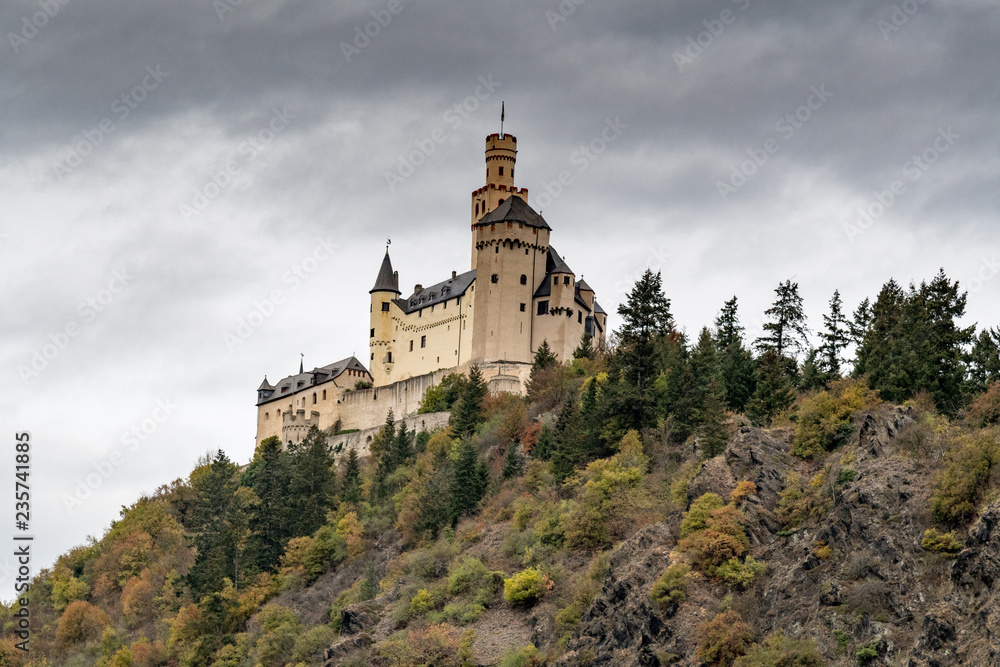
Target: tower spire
x,y
501,118
302,361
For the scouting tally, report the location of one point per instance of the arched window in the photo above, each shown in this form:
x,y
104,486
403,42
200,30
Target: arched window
x,y
267,415
314,398
324,394
524,279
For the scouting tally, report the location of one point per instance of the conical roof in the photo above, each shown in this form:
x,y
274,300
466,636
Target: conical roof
x,y
386,281
514,209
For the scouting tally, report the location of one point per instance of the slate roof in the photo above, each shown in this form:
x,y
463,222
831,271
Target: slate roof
x,y
514,209
295,383
597,308
386,280
265,385
442,291
553,264
582,286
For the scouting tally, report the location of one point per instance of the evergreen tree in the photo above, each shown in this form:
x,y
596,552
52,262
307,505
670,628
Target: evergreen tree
x,y
813,376
511,462
739,372
543,445
878,354
403,451
712,434
860,322
941,367
542,369
351,484
585,350
369,585
312,487
677,388
835,338
214,486
468,483
787,333
272,519
705,364
468,413
774,392
567,452
984,360
647,319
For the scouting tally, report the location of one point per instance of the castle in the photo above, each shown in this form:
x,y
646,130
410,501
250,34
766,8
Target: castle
x,y
518,293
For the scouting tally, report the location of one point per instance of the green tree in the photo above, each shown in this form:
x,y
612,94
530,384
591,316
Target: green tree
x,y
736,361
813,376
646,319
511,462
712,434
786,332
774,392
468,482
269,477
351,483
214,485
835,336
568,451
860,321
585,350
984,360
312,486
468,414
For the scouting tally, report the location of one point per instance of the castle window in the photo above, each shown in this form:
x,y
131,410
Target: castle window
x,y
324,394
494,278
385,306
501,171
496,250
444,304
579,317
477,208
555,280
388,357
543,307
372,334
524,279
522,307
525,251
373,356
267,415
565,280
512,172
423,341
500,202
411,346
314,398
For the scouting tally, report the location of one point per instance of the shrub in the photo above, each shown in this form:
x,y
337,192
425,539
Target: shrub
x,y
669,589
723,639
739,574
526,656
697,516
742,491
780,651
81,622
985,410
798,502
722,538
421,603
327,550
845,476
959,486
467,575
867,654
941,543
439,645
824,420
525,588
682,478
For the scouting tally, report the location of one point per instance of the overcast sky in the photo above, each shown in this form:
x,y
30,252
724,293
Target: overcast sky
x,y
168,169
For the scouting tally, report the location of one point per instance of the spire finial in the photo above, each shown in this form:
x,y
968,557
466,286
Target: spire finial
x,y
501,118
302,362
388,242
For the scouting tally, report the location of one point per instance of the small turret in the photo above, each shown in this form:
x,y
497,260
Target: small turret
x,y
381,340
387,280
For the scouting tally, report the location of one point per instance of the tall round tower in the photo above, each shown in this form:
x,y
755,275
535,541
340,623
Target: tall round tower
x,y
381,339
501,156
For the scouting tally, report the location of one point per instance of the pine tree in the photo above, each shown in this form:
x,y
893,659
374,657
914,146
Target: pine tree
x,y
351,484
511,462
860,322
312,487
468,485
213,540
543,445
835,338
647,319
567,452
984,360
774,392
787,328
585,350
941,369
272,519
813,376
468,413
736,361
705,363
369,585
712,434
541,370
403,451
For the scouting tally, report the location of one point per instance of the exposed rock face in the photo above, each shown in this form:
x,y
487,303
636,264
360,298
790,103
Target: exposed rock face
x,y
334,655
622,626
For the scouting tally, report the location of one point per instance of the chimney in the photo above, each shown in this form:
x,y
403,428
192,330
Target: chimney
x,y
453,275
417,288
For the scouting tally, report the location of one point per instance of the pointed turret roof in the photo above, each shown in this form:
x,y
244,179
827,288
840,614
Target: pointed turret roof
x,y
386,281
515,209
265,385
582,286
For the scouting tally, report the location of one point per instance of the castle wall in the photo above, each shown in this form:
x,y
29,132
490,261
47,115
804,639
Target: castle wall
x,y
361,440
321,399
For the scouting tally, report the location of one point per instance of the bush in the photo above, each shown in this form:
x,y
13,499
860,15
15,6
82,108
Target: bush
x,y
742,491
526,656
723,639
525,588
669,589
326,551
780,651
697,516
959,487
439,645
941,543
985,410
798,502
421,603
722,538
824,420
467,575
739,574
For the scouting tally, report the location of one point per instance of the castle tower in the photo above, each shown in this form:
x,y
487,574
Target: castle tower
x,y
381,339
501,156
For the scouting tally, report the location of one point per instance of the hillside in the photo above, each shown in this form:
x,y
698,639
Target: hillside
x,y
655,503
